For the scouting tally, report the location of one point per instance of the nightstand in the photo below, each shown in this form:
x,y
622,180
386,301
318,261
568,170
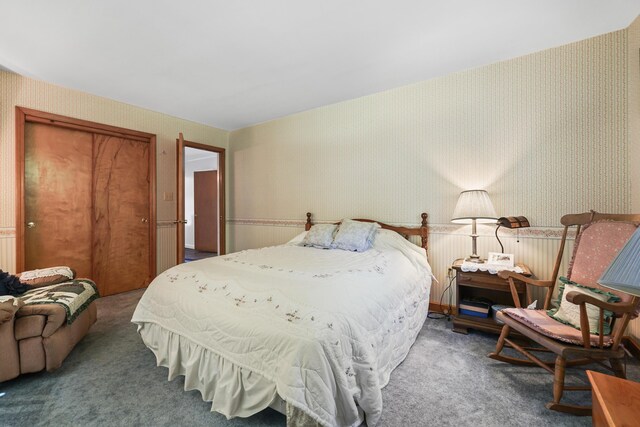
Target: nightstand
x,y
482,284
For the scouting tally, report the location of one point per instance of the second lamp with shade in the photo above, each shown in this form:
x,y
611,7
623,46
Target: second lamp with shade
x,y
474,206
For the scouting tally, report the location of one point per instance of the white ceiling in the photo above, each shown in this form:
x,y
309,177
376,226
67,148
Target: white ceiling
x,y
230,64
195,154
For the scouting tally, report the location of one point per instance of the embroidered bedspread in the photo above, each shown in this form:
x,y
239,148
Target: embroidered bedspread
x,y
327,327
74,295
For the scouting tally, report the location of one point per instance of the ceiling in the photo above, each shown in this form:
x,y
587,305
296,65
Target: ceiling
x,y
194,154
231,64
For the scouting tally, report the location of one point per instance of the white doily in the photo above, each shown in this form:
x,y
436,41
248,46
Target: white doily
x,y
491,268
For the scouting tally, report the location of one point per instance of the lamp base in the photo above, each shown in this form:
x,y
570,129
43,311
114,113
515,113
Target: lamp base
x,y
474,258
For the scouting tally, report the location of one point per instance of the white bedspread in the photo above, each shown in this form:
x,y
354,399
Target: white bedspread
x,y
322,328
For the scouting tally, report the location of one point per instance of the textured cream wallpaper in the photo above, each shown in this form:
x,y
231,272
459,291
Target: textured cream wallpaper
x,y
30,93
633,35
546,134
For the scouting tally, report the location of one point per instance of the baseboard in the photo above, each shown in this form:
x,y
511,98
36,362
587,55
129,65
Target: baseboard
x,y
189,246
440,308
632,344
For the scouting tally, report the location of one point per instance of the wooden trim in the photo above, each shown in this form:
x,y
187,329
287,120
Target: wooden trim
x,y
632,344
440,308
222,249
153,205
221,200
70,122
24,115
19,177
180,199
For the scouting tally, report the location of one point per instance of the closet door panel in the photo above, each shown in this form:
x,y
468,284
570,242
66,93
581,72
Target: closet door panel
x,y
121,214
57,203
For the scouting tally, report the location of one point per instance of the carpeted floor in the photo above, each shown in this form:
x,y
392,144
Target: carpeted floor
x,y
194,255
111,379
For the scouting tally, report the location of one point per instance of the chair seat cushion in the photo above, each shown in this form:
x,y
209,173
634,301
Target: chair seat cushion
x,y
540,321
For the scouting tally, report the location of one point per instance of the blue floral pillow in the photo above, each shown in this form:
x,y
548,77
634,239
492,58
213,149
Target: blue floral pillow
x,y
355,235
320,236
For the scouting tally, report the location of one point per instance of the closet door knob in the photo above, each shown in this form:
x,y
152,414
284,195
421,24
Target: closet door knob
x,y
31,224
144,220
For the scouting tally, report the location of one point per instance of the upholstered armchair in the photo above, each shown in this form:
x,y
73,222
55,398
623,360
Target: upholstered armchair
x,y
37,334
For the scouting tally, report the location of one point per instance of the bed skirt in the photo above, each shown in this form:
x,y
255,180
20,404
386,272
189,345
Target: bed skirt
x,y
232,390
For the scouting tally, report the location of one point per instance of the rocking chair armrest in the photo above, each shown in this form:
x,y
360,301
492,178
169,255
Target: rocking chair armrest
x,y
506,274
512,276
618,307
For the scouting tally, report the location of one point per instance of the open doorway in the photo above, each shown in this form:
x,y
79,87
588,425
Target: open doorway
x,y
200,201
200,204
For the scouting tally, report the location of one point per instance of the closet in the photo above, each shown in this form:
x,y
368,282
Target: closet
x,y
86,199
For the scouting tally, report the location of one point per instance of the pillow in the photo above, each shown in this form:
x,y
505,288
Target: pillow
x,y
355,235
320,236
46,276
298,239
569,313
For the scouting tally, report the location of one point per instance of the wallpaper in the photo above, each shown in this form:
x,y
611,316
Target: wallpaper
x,y
545,134
633,35
35,94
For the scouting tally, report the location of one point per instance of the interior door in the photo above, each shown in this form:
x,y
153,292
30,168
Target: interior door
x,y
121,214
57,198
205,185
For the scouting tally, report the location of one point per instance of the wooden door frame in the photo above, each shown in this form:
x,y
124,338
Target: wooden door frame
x,y
181,143
27,115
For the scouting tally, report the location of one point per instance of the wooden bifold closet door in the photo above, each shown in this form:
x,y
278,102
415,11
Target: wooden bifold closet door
x,y
120,213
58,198
87,205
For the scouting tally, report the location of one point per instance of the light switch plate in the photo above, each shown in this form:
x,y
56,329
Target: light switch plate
x,y
168,196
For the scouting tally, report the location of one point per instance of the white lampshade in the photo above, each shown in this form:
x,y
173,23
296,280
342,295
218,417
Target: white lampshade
x,y
623,274
474,204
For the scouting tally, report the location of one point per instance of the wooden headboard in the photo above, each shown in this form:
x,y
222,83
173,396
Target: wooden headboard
x,y
422,231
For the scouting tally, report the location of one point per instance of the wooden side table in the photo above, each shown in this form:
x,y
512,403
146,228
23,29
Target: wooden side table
x,y
482,284
616,402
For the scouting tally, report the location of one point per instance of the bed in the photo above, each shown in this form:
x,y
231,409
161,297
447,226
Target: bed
x,y
314,333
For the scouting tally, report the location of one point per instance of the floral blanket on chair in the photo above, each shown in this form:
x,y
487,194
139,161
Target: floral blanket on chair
x,y
74,295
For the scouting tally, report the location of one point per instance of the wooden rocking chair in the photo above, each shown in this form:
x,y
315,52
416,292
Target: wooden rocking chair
x,y
599,237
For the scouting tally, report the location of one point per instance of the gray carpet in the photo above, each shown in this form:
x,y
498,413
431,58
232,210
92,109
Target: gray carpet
x,y
111,379
194,255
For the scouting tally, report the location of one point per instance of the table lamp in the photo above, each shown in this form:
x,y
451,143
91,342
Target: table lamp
x,y
623,274
474,206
